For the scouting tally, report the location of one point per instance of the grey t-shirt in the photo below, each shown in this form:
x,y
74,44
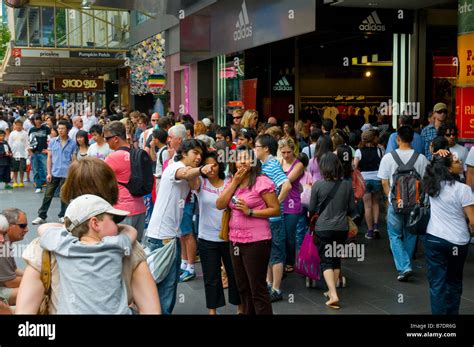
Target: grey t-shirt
x,y
91,279
334,216
7,264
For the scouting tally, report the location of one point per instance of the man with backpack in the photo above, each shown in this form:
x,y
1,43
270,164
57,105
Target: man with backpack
x,y
133,170
401,172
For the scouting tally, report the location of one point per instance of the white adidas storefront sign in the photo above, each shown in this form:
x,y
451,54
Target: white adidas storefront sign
x,y
243,26
372,23
283,86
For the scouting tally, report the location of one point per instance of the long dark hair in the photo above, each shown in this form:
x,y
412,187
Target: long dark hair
x,y
436,172
221,164
255,170
331,167
84,135
323,145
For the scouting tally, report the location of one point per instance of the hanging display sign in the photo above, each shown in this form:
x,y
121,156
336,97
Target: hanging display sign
x,y
78,84
465,112
466,60
465,16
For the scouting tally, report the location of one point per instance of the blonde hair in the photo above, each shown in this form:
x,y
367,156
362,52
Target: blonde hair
x,y
287,142
248,115
275,132
301,129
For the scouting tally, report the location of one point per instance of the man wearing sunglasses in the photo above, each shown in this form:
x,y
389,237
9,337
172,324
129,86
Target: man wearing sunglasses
x,y
10,274
440,113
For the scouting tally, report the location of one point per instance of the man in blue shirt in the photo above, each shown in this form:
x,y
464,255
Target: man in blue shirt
x,y
440,113
60,152
417,144
265,149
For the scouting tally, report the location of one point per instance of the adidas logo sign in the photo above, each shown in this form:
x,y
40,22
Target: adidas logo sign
x,y
243,26
283,86
372,23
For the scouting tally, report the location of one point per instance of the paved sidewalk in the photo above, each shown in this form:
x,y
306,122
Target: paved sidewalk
x,y
372,287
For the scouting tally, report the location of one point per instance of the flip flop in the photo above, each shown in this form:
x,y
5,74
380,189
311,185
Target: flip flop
x,y
289,269
334,306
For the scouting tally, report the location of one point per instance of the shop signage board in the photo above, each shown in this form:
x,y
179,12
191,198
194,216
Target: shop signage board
x,y
364,20
465,16
236,25
78,84
98,55
466,60
39,53
465,112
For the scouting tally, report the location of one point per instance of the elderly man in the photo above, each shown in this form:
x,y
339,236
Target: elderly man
x,y
272,120
12,230
76,126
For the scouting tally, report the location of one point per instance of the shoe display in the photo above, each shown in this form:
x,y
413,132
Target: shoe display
x,y
38,220
276,296
187,276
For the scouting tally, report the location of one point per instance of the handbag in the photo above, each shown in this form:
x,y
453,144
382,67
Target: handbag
x,y
46,279
161,260
308,261
353,228
224,233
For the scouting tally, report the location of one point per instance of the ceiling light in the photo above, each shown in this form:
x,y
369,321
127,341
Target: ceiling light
x,y
368,74
372,4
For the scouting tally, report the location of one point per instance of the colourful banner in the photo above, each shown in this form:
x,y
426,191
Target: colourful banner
x,y
466,60
465,112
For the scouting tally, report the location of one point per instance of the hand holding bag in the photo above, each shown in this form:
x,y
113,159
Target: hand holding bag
x,y
307,263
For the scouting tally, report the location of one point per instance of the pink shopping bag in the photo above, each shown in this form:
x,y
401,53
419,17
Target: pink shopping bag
x,y
308,260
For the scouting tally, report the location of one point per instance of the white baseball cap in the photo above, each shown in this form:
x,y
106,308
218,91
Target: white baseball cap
x,y
87,206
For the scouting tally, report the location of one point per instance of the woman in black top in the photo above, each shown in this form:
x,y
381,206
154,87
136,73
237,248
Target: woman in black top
x,y
337,199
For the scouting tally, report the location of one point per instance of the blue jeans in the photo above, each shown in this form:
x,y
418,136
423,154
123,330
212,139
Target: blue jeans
x,y
402,242
277,254
445,262
38,164
302,228
169,286
291,221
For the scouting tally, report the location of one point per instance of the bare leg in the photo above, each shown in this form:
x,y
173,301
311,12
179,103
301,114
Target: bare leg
x,y
191,248
368,211
277,270
330,278
376,207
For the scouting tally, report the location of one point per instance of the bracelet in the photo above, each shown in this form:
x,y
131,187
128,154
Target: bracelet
x,y
200,169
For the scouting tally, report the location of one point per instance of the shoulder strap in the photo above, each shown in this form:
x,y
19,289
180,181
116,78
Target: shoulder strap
x,y
329,197
413,159
126,149
46,270
396,157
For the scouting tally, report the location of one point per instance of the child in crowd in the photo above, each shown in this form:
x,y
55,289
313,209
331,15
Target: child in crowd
x,y
5,160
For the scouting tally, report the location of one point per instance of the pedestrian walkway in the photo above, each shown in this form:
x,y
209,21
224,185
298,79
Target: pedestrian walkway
x,y
372,287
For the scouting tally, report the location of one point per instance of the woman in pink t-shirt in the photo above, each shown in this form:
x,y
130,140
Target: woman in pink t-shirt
x,y
252,199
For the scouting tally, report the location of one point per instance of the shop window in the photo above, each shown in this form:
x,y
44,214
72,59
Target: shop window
x,y
140,18
47,27
61,27
34,26
118,28
87,28
74,28
100,31
21,30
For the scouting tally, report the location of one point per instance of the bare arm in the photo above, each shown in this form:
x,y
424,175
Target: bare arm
x,y
469,212
223,200
470,176
30,293
386,187
296,173
356,163
285,190
195,184
189,173
128,230
145,294
19,272
14,283
49,167
152,151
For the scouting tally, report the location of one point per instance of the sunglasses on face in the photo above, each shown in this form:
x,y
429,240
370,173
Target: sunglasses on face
x,y
237,117
107,138
451,135
23,225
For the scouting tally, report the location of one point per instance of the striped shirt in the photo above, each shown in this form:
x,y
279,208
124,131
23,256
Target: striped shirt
x,y
273,170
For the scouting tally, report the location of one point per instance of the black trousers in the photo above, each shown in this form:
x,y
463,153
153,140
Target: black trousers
x,y
48,196
212,254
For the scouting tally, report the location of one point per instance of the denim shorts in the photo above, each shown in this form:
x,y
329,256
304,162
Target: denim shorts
x,y
187,224
373,186
278,252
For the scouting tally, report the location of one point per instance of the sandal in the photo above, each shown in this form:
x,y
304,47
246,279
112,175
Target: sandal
x,y
289,268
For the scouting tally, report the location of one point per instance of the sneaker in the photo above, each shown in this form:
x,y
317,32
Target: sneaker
x,y
61,220
269,288
15,185
403,277
38,190
38,220
21,185
276,296
8,187
369,235
187,276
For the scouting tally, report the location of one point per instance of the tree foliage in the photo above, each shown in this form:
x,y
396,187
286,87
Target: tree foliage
x,y
5,37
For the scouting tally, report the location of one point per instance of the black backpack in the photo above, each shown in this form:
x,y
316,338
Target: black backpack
x,y
406,190
141,178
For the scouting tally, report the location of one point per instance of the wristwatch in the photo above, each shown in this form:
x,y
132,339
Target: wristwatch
x,y
250,212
